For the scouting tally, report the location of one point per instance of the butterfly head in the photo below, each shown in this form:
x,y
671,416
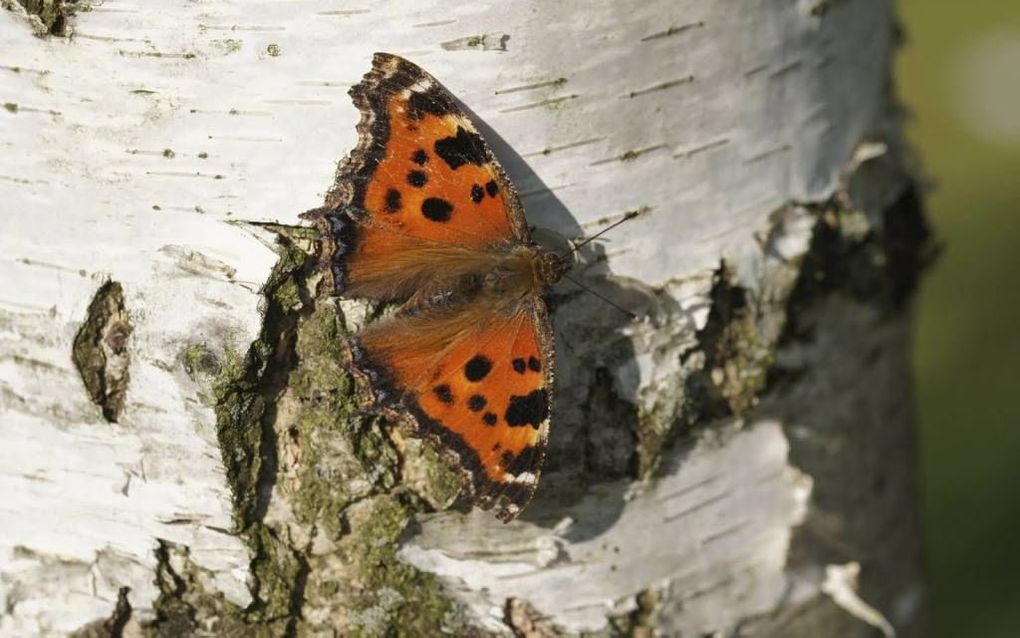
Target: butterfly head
x,y
550,268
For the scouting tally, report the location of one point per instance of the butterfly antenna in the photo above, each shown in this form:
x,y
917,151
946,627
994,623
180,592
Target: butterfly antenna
x,y
631,315
629,216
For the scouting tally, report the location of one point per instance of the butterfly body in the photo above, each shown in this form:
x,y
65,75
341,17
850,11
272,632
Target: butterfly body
x,y
503,273
422,215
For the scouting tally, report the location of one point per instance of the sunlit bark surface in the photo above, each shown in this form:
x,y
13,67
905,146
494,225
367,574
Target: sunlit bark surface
x,y
183,451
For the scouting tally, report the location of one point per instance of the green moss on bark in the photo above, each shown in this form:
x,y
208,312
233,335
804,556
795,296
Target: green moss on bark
x,y
391,598
736,354
318,480
639,623
188,602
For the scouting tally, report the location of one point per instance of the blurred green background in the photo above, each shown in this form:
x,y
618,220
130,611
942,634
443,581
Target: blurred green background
x,y
959,74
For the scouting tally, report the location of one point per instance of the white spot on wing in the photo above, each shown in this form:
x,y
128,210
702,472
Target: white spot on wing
x,y
525,478
457,120
422,85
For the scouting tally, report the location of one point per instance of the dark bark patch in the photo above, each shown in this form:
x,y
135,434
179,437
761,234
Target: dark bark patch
x,y
53,15
100,350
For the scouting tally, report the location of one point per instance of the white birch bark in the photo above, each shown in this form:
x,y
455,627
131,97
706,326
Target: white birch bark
x,y
134,146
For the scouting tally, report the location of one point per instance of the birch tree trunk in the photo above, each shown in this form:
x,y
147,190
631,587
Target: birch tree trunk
x,y
182,449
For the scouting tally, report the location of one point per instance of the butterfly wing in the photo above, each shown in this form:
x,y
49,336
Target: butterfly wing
x,y
478,382
420,179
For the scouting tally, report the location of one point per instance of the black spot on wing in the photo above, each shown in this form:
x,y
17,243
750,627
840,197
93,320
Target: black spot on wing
x,y
477,403
477,193
491,188
531,409
490,418
477,368
393,200
437,209
519,463
432,101
417,178
420,157
464,148
519,366
534,364
443,393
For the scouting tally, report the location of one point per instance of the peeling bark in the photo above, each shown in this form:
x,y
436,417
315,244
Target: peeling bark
x,y
739,461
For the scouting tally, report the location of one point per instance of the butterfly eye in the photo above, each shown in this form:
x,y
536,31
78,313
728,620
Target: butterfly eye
x,y
552,267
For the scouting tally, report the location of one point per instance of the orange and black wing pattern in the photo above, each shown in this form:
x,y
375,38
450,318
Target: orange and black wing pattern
x,y
420,179
422,214
477,382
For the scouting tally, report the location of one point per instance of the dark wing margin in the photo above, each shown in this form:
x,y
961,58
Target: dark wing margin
x,y
524,469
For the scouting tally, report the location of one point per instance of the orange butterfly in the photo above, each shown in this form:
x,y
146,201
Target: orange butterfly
x,y
424,215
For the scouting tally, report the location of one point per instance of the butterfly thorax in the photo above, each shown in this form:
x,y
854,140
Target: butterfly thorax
x,y
525,271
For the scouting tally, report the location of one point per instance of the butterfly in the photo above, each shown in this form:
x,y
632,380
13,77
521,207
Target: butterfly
x,y
423,215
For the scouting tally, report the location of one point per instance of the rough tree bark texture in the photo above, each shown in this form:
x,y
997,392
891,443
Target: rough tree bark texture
x,y
182,450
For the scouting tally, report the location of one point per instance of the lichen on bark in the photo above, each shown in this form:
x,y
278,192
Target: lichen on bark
x,y
188,602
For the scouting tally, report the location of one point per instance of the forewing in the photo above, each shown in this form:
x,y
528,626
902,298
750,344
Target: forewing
x,y
421,176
